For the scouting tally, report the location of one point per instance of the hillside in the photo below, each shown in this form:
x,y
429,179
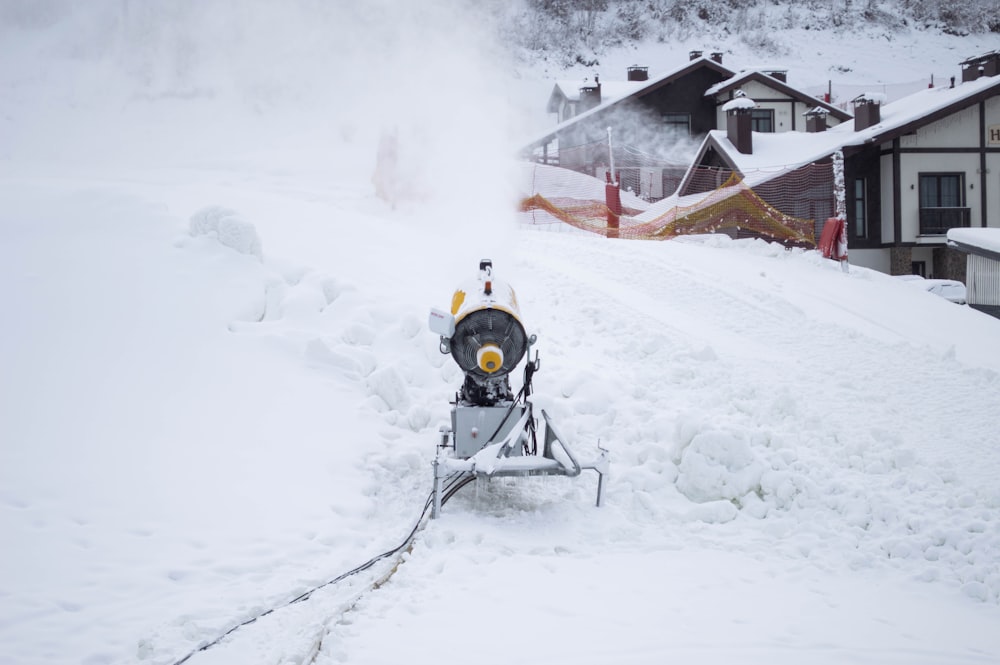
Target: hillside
x,y
844,62
581,31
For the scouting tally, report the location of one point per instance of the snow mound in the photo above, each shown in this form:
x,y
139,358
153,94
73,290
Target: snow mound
x,y
228,228
718,466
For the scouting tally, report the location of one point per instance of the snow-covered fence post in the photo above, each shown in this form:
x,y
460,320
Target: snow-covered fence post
x,y
840,192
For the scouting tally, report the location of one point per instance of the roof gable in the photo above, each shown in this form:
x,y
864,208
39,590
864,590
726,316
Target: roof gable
x,y
655,84
731,84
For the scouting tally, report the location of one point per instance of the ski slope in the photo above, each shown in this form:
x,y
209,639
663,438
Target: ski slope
x,y
803,461
219,393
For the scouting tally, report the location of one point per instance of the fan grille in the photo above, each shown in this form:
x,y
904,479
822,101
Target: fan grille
x,y
488,326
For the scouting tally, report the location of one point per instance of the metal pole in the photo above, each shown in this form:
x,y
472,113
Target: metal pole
x,y
611,158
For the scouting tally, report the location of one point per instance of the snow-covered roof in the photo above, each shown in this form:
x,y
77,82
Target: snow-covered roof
x,y
981,58
610,90
779,151
775,154
987,240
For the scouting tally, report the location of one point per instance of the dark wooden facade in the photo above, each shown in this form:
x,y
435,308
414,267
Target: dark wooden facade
x,y
583,140
865,233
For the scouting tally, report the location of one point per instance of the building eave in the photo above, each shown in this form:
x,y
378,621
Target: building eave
x,y
972,249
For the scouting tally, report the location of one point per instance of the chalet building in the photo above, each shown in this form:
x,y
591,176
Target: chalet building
x,y
653,116
913,169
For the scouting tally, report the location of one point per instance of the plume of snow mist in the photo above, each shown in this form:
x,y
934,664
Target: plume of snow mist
x,y
254,82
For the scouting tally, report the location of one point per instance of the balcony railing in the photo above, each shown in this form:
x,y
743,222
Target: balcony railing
x,y
937,221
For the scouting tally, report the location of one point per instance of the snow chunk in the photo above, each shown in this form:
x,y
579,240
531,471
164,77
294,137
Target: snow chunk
x,y
977,591
713,512
317,353
228,228
303,300
717,466
871,98
388,384
739,103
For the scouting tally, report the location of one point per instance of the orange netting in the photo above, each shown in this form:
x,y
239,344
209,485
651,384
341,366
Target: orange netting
x,y
575,212
733,208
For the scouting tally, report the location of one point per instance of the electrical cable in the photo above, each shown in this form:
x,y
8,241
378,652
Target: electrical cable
x,y
510,410
458,485
452,483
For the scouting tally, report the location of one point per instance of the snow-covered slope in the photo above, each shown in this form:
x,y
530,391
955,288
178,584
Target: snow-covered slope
x,y
192,433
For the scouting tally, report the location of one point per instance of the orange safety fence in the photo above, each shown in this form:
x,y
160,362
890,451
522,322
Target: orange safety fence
x,y
575,212
733,208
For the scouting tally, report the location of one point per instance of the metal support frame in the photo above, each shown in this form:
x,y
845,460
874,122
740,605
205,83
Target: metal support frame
x,y
503,458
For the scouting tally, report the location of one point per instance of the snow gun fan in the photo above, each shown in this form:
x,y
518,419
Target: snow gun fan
x,y
493,432
488,340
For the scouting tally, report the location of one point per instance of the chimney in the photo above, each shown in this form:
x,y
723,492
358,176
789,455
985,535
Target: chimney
x,y
694,55
991,64
780,74
738,111
816,120
987,64
970,71
590,95
717,57
637,73
867,110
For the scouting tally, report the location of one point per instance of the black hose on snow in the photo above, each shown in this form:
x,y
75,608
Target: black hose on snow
x,y
452,483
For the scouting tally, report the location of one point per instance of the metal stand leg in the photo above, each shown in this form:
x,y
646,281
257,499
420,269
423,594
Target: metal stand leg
x,y
436,505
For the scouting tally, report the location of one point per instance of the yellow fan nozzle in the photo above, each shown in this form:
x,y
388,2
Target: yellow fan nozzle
x,y
490,358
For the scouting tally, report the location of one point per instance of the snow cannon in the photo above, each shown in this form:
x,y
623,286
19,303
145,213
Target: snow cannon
x,y
484,335
493,432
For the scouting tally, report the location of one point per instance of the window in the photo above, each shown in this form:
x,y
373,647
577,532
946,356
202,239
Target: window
x,y
679,123
860,208
942,190
762,120
942,202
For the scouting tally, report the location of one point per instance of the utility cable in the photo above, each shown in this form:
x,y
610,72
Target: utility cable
x,y
452,483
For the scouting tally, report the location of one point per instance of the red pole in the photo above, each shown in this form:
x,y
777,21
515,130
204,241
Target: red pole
x,y
613,199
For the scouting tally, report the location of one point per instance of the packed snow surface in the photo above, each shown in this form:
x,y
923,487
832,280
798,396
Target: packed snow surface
x,y
219,392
